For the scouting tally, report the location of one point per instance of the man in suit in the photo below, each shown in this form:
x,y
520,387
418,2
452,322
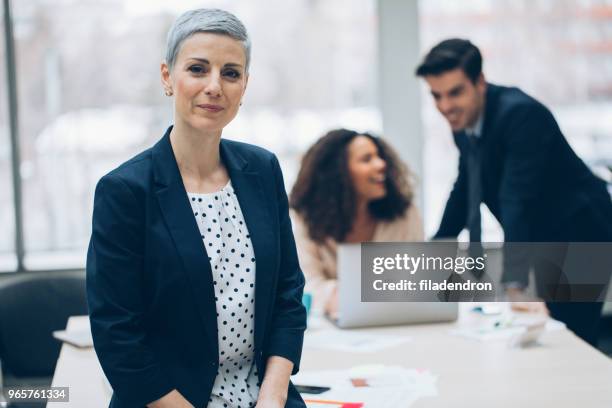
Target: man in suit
x,y
514,158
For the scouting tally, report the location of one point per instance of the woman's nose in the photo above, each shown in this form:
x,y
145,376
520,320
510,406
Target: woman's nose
x,y
213,86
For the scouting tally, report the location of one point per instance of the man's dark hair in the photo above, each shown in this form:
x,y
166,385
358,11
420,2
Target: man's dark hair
x,y
451,54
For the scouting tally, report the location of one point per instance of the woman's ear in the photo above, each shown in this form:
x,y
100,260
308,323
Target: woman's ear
x,y
246,83
166,79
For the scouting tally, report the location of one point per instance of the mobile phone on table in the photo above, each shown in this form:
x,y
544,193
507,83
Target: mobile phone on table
x,y
310,389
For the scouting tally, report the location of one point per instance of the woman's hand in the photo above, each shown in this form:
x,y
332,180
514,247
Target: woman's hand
x,y
275,386
331,306
173,399
270,402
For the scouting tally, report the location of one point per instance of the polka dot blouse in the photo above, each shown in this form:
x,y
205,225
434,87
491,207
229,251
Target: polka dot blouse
x,y
230,252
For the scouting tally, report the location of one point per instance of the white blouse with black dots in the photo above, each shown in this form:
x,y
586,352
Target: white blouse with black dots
x,y
232,260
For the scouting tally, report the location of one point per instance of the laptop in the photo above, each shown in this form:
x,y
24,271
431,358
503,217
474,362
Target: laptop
x,y
354,313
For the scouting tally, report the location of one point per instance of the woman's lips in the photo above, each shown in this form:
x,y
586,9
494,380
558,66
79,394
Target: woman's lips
x,y
211,108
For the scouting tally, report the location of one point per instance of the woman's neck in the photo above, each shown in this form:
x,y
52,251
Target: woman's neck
x,y
198,159
363,226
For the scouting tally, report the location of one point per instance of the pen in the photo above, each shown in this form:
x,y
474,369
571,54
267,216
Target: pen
x,y
500,324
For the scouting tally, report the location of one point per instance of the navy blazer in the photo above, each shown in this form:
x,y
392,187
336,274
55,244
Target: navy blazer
x,y
149,282
532,181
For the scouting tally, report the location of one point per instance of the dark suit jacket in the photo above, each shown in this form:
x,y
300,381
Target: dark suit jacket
x,y
532,181
149,281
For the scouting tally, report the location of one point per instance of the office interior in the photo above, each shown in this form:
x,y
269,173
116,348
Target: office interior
x,y
81,94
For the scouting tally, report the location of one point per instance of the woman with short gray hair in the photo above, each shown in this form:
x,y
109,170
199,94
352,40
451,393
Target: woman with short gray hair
x,y
193,281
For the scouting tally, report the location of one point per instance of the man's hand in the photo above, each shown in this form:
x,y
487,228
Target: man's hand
x,y
521,302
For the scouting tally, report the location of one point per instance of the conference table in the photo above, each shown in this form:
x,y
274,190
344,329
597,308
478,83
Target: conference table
x,y
560,371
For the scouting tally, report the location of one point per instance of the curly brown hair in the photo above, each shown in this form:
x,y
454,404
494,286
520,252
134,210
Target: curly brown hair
x,y
325,197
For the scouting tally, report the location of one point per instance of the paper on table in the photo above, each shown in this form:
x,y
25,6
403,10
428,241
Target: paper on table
x,y
519,324
77,338
527,319
352,341
378,386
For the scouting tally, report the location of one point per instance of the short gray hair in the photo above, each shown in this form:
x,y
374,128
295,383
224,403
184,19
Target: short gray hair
x,y
205,21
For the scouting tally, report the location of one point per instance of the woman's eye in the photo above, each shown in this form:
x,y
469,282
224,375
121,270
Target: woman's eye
x,y
197,69
231,73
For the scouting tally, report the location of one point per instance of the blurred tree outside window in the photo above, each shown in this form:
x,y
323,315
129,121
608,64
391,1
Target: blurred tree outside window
x,y
90,96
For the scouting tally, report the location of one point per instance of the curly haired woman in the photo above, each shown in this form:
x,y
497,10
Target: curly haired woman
x,y
352,187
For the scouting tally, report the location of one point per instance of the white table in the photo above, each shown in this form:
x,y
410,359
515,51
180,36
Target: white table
x,y
563,372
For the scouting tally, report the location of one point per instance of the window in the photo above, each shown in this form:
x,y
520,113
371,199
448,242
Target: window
x,y
90,96
557,51
7,215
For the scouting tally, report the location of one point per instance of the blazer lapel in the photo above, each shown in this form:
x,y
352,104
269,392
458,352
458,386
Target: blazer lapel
x,y
491,103
183,228
255,207
489,142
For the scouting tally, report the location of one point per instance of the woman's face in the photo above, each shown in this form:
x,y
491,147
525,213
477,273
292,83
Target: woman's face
x,y
367,169
208,81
